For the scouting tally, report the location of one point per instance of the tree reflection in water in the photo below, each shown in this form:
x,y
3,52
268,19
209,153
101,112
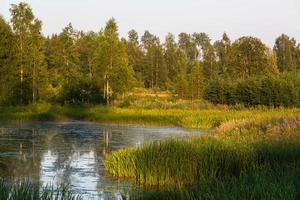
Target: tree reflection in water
x,y
70,152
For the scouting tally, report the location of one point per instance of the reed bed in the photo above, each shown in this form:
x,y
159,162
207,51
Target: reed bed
x,y
175,162
183,163
260,183
242,159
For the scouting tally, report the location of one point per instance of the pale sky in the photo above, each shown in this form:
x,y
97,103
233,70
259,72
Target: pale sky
x,y
265,19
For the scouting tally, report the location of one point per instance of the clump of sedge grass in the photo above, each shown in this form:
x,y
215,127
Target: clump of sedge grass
x,y
264,182
31,191
183,162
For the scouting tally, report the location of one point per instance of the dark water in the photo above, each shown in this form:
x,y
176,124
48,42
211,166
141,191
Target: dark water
x,y
72,152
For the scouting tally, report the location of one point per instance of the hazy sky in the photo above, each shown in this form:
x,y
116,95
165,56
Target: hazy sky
x,y
265,19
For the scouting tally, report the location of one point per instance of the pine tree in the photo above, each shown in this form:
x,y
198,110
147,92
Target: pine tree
x,y
222,48
135,55
196,82
156,75
207,54
287,53
174,57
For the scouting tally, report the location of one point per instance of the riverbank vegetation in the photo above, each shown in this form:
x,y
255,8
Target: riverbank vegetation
x,y
244,159
167,114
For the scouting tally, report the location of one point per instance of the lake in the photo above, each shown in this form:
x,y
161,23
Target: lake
x,y
72,152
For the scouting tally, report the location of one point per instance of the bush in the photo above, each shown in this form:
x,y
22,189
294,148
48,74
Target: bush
x,y
248,91
83,92
220,91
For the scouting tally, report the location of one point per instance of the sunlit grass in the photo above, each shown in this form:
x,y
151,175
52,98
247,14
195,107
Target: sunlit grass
x,y
183,163
189,118
242,158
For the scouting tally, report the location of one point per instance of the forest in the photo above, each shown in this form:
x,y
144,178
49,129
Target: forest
x,y
77,67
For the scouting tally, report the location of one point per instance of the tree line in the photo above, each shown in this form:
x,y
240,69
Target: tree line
x,y
97,67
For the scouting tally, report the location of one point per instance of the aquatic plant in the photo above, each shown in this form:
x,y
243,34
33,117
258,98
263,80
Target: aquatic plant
x,y
264,182
25,190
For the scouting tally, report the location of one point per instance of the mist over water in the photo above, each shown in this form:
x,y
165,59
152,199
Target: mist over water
x,y
54,153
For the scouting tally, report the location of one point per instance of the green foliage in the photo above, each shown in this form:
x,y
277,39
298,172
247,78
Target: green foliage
x,y
269,90
182,86
220,91
28,64
288,53
176,61
155,73
222,49
196,82
248,91
188,46
123,80
35,69
6,57
135,55
249,56
82,92
208,56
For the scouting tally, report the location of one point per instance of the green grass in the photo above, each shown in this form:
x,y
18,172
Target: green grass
x,y
189,118
30,191
243,159
261,183
254,152
176,162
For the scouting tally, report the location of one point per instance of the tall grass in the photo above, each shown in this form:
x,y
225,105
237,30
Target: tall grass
x,y
30,191
259,183
254,159
189,118
183,163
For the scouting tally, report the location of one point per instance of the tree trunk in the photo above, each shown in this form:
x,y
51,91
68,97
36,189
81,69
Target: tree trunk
x,y
21,70
21,79
90,70
33,84
107,91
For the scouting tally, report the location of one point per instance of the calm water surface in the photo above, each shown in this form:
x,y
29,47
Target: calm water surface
x,y
72,152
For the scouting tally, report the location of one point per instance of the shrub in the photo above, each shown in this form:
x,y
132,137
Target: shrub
x,y
83,92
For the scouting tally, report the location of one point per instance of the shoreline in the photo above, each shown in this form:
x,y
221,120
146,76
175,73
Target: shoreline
x,y
184,118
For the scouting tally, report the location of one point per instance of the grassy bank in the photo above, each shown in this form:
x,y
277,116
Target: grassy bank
x,y
243,159
261,183
31,191
188,117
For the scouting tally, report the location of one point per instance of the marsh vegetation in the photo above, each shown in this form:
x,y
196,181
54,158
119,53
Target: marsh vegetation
x,y
242,159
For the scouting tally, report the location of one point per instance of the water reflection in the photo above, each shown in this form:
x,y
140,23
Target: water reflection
x,y
71,152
